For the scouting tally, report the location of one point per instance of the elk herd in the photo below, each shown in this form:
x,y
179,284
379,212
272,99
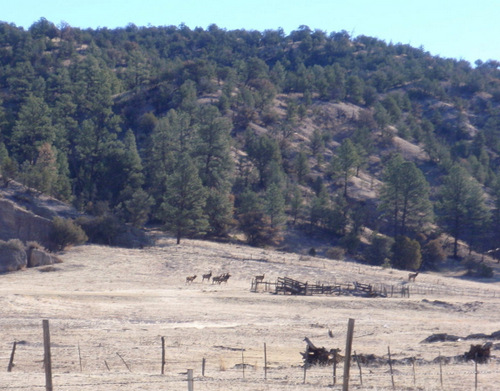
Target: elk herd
x,y
215,279
219,279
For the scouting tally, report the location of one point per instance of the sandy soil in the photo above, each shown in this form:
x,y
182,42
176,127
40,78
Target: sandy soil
x,y
108,309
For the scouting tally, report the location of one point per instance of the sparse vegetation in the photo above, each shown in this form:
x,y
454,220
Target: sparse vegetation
x,y
12,244
66,232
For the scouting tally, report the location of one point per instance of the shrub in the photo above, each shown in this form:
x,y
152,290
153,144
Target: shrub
x,y
406,254
350,242
102,229
258,230
476,269
432,254
12,244
379,250
65,232
335,253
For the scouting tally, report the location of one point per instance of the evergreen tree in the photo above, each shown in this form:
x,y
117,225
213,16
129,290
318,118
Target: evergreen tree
x,y
32,129
404,196
461,206
262,150
296,204
214,148
275,205
301,165
348,160
182,209
171,136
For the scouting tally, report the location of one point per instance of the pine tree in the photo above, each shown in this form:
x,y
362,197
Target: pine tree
x,y
461,207
404,196
32,129
275,205
348,161
185,199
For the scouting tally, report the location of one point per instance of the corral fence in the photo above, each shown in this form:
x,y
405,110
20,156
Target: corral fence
x,y
246,374
287,285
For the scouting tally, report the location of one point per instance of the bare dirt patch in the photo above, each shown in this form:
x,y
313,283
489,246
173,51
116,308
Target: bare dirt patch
x,y
111,306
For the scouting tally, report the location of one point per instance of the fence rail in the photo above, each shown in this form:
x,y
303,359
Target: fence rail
x,y
250,371
286,285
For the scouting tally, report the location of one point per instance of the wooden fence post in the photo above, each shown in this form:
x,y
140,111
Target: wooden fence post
x,y
162,355
11,361
190,380
441,369
203,362
334,366
46,358
390,366
80,357
243,363
348,348
414,373
475,373
265,361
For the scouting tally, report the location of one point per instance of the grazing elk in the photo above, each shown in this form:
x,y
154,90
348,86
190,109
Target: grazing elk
x,y
206,276
190,279
259,278
412,276
221,278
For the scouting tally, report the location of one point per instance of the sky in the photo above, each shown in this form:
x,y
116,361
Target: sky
x,y
461,29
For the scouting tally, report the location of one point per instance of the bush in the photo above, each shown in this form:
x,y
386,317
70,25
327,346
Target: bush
x,y
379,250
12,244
350,242
335,253
406,254
65,232
258,230
432,254
102,229
476,269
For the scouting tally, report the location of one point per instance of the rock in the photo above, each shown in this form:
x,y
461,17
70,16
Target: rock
x,y
37,257
11,258
441,337
18,223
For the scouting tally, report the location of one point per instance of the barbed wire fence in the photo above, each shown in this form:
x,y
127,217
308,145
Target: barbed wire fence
x,y
96,368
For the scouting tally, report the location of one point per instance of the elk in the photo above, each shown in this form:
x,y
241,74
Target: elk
x,y
190,279
412,276
259,278
220,279
206,276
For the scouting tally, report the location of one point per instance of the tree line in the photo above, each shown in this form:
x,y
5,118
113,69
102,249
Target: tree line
x,y
203,131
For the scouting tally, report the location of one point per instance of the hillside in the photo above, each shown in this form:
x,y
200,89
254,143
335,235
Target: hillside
x,y
257,136
109,307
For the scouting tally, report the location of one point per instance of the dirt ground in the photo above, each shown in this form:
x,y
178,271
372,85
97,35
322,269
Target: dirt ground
x,y
109,308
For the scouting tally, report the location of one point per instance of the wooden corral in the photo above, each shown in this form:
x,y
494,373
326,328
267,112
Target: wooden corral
x,y
290,286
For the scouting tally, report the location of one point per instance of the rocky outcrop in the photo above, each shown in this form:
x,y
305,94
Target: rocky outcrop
x,y
37,257
19,223
12,257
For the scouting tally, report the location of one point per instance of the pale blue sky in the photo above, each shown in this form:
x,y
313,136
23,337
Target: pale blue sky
x,y
468,30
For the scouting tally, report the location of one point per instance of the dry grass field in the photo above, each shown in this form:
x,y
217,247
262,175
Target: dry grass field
x,y
109,307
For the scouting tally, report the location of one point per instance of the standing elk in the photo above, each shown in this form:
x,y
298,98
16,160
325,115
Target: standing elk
x,y
206,276
259,278
412,276
190,279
